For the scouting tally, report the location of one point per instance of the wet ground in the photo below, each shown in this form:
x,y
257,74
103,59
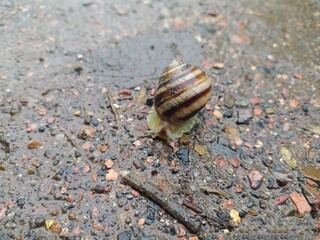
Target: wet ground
x,y
77,81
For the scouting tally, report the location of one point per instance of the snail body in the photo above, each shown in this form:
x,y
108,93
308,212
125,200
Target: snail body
x,y
183,90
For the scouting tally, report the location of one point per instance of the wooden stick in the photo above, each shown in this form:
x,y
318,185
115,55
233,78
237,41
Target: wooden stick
x,y
164,201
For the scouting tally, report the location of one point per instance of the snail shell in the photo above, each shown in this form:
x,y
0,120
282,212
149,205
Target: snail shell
x,y
183,90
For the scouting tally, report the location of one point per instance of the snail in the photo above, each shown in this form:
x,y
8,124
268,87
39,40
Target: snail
x,y
183,90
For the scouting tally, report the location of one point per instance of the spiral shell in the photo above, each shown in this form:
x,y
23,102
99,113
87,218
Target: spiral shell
x,y
183,90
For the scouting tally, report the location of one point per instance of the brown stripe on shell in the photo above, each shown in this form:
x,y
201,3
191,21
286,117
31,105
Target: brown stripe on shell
x,y
172,115
177,90
169,78
190,115
174,66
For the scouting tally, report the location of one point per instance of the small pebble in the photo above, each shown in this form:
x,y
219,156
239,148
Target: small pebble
x,y
42,111
33,144
228,114
126,235
77,154
42,129
218,65
270,111
182,231
60,136
241,102
141,221
109,163
125,92
280,199
257,111
229,101
128,220
119,194
15,108
122,202
172,231
50,120
183,155
294,103
103,217
129,196
244,116
255,179
300,202
235,162
112,175
77,113
149,102
217,114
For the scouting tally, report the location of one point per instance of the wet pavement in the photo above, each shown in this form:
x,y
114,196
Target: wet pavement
x,y
77,82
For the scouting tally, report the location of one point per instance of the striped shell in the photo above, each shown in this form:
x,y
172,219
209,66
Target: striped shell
x,y
182,92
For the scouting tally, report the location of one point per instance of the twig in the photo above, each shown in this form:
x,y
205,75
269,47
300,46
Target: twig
x,y
114,109
215,191
48,178
164,201
212,220
76,145
52,176
192,206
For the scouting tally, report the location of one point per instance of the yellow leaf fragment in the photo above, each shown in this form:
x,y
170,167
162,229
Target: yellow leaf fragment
x,y
199,149
49,223
314,129
234,215
288,158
